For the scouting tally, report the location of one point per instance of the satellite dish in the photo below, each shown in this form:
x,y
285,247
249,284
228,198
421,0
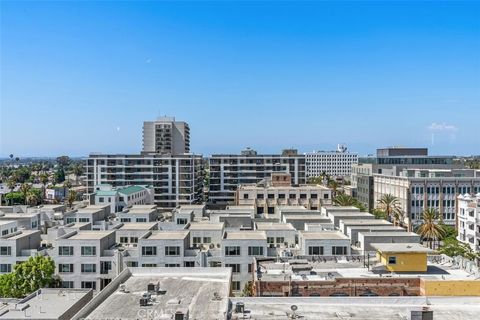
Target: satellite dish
x,y
294,307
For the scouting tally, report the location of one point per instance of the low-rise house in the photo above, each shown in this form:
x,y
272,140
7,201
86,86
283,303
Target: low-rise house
x,y
279,235
365,239
17,247
91,214
120,198
239,249
208,234
164,249
324,243
86,259
139,213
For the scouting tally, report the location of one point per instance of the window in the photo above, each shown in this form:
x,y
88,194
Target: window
x,y
124,239
271,196
232,250
89,251
271,210
132,264
197,240
236,285
250,267
172,265
125,220
314,196
207,239
245,196
89,268
100,199
182,221
83,220
303,196
149,265
133,239
293,196
339,251
65,268
325,196
172,251
4,232
189,264
315,251
67,284
141,219
65,251
89,285
5,268
71,220
235,267
270,240
255,251
5,251
281,196
260,196
149,251
392,260
280,240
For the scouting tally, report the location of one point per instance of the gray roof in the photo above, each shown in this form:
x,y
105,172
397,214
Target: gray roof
x,y
401,247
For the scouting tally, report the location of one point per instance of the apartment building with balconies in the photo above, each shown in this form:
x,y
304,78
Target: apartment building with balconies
x,y
228,171
176,179
166,136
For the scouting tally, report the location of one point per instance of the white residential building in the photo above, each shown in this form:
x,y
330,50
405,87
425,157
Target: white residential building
x,y
17,247
121,197
176,179
469,220
228,171
166,136
333,163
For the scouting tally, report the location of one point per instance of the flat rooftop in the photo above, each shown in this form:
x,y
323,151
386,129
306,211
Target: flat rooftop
x,y
390,234
5,222
91,235
361,308
19,234
306,216
169,235
246,235
206,226
274,226
365,222
323,235
401,247
328,268
138,225
138,211
192,289
48,304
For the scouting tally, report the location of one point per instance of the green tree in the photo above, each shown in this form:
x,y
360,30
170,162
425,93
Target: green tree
x,y
391,206
27,277
59,176
346,200
452,248
379,214
14,198
25,189
72,196
430,229
63,161
77,170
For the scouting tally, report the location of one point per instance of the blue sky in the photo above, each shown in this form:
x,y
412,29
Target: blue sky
x,y
81,77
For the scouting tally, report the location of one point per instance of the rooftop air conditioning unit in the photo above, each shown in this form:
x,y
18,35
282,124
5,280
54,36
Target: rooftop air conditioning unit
x,y
181,314
239,307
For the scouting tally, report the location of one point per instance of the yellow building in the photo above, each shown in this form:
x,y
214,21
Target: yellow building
x,y
402,257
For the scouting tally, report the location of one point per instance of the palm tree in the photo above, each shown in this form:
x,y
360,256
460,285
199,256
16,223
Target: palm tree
x,y
24,189
32,198
332,184
72,196
11,183
344,200
391,206
430,229
77,170
67,184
